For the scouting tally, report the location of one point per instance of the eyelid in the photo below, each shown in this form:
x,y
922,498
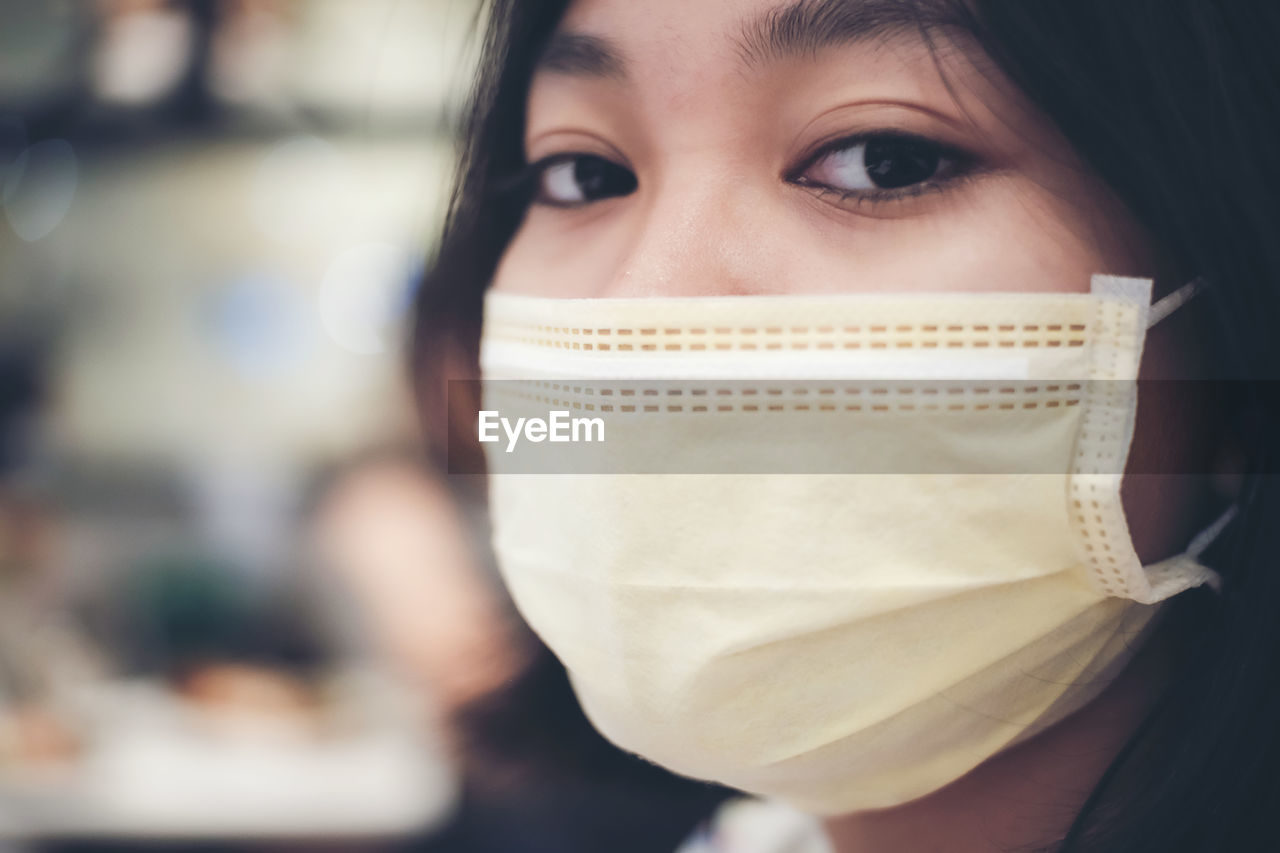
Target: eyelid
x,y
559,157
568,144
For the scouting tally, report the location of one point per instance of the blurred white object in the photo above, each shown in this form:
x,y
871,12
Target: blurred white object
x,y
300,189
759,826
142,56
252,55
163,768
384,60
361,295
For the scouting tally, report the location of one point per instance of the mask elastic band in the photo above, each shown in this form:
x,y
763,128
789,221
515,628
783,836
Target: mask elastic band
x,y
1162,308
1206,537
1202,540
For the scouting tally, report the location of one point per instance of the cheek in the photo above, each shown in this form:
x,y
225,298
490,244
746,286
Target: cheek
x,y
1002,234
551,261
1035,238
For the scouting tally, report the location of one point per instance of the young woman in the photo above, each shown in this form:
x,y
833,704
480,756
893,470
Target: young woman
x,y
853,152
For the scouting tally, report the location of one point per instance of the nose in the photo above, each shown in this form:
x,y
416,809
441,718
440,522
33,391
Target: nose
x,y
699,235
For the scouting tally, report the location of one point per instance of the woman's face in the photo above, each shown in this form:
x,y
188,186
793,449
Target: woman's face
x,y
764,147
749,146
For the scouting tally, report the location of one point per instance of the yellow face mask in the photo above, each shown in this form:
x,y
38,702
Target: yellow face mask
x,y
833,550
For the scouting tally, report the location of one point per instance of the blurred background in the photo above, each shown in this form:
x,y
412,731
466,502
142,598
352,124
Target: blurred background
x,y
234,607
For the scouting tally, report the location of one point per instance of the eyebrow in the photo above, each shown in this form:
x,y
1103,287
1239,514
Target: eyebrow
x,y
800,28
804,27
581,55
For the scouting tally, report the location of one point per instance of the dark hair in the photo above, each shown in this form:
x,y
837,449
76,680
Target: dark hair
x,y
1172,103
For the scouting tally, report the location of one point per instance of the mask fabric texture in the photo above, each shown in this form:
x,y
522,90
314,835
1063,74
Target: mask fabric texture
x,y
840,641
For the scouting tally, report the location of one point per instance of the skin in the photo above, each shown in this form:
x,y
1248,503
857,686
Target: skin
x,y
717,210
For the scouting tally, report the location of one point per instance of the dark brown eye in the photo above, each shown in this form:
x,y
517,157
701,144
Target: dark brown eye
x,y
575,179
893,163
880,163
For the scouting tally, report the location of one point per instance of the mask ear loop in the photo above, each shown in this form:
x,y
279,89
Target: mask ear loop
x,y
1202,540
1171,302
1206,537
1159,310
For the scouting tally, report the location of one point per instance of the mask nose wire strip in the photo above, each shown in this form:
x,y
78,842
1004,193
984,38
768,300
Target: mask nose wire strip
x,y
1162,308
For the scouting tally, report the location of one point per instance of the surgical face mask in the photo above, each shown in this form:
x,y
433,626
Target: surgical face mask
x,y
841,641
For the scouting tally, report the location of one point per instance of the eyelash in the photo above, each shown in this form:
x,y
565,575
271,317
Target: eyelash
x,y
528,180
962,166
870,198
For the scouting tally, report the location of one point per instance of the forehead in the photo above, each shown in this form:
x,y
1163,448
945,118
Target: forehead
x,y
677,59
688,66
608,37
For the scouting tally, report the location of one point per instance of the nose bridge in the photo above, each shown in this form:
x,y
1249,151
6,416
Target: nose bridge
x,y
696,235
